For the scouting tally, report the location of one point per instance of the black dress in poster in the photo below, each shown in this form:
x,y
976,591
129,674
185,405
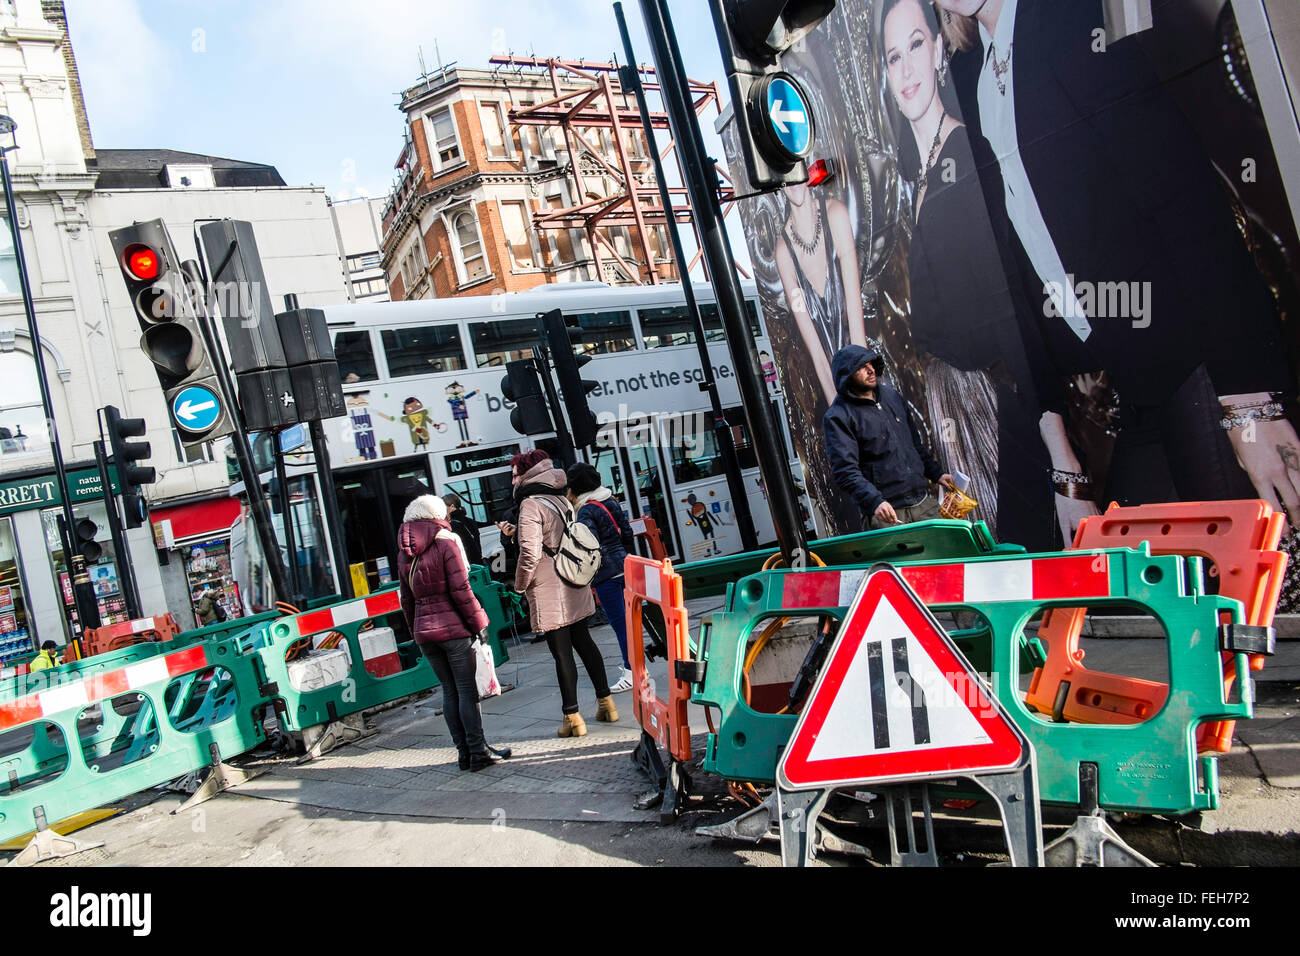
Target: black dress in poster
x,y
1072,246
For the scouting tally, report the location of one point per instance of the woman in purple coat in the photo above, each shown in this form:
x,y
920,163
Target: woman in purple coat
x,y
444,616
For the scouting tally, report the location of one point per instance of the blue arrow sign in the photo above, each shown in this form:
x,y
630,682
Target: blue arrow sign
x,y
196,409
787,112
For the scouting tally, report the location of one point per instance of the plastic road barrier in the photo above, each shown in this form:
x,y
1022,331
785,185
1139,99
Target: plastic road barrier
x,y
73,739
1240,538
98,640
1152,766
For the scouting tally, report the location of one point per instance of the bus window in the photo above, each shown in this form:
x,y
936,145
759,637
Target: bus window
x,y
713,331
355,356
423,349
487,498
496,343
604,332
693,444
662,328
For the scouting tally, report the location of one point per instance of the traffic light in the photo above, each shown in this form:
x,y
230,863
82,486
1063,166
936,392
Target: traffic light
x,y
243,299
561,333
84,532
522,385
130,476
162,296
773,112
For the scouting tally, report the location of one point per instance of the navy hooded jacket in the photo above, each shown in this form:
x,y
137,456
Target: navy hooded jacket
x,y
874,449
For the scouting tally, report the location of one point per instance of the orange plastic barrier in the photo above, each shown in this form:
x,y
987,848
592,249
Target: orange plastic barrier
x,y
647,528
655,582
99,640
1240,538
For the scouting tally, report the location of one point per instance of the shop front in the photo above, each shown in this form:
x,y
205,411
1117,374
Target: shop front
x,y
196,538
36,598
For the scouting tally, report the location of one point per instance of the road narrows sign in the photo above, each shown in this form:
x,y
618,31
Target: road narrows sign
x,y
896,701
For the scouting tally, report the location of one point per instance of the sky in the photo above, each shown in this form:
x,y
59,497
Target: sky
x,y
312,86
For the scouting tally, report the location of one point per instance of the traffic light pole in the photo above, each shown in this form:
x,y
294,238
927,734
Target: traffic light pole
x,y
702,186
83,592
286,520
239,441
125,573
333,520
631,79
542,355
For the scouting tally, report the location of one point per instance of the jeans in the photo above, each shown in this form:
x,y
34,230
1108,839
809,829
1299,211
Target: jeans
x,y
453,661
610,595
563,642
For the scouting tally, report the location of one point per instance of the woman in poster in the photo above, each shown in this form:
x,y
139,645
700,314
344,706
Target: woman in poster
x,y
816,258
1108,192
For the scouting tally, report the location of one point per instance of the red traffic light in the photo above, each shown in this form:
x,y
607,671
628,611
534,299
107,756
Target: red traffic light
x,y
141,262
820,171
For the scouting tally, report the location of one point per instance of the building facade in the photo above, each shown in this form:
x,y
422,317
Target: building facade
x,y
358,227
460,220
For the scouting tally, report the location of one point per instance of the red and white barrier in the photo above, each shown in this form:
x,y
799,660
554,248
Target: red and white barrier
x,y
981,582
101,686
328,618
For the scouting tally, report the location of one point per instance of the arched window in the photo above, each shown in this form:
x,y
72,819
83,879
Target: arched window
x,y
22,419
470,244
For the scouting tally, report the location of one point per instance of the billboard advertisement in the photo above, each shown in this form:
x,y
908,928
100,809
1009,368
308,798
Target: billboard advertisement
x,y
1062,225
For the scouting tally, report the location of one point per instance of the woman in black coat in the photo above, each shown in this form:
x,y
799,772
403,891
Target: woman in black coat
x,y
1106,194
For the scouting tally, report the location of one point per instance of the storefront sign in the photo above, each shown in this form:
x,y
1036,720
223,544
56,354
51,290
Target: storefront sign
x,y
43,492
483,459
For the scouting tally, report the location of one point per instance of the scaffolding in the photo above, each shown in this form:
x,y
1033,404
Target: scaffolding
x,y
613,175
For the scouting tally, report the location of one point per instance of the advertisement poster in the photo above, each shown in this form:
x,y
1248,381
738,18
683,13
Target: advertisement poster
x,y
6,598
1063,228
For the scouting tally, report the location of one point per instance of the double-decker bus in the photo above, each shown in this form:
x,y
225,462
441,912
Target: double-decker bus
x,y
422,383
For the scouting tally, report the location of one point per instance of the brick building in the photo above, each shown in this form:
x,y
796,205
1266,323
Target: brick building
x,y
460,220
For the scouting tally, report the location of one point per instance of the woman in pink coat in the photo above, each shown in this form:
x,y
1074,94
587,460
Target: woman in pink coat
x,y
557,609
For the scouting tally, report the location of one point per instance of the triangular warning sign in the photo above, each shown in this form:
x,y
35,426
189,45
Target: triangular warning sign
x,y
896,701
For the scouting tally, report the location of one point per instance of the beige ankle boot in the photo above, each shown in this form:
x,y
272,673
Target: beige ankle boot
x,y
605,709
573,726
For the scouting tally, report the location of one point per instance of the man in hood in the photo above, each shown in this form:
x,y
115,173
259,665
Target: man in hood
x,y
875,451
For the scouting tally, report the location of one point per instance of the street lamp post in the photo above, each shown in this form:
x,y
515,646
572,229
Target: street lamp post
x,y
83,593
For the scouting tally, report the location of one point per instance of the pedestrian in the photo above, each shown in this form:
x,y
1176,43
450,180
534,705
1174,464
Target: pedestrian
x,y
206,609
46,658
466,528
557,609
444,616
875,451
597,509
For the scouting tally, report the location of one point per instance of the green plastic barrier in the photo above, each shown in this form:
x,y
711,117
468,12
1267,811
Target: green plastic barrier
x,y
1149,767
83,736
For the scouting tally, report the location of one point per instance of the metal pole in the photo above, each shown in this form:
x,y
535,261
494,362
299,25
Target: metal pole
x,y
239,439
333,520
83,593
286,519
631,78
542,356
125,573
702,186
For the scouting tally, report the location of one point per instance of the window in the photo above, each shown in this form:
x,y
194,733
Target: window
x,y
496,343
561,239
469,245
192,456
514,218
713,321
487,499
662,328
369,287
23,428
604,332
422,350
356,356
8,260
495,132
446,147
530,137
694,445
413,266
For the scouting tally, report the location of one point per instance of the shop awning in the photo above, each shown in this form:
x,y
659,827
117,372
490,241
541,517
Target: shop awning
x,y
194,521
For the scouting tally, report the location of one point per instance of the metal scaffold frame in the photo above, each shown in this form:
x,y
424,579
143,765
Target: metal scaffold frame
x,y
589,96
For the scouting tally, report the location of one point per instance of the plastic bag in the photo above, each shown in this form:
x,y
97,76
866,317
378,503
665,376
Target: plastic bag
x,y
485,671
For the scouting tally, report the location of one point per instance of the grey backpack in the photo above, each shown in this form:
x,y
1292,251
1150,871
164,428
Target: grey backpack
x,y
578,557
